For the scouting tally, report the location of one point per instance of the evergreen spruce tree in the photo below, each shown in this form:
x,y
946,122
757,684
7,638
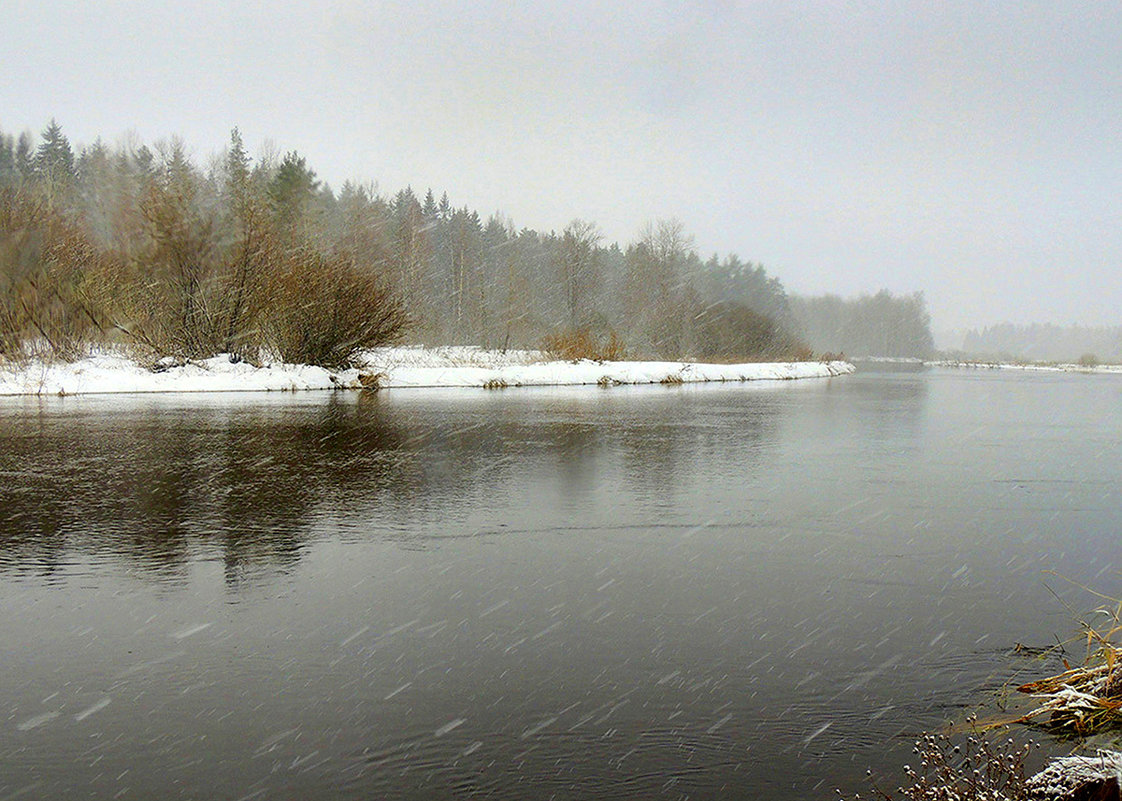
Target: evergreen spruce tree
x,y
24,156
410,246
292,191
144,161
237,165
7,159
54,160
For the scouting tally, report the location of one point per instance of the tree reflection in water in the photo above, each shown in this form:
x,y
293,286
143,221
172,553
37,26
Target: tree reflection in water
x,y
155,482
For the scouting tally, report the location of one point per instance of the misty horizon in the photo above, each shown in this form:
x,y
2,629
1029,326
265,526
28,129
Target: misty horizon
x,y
967,153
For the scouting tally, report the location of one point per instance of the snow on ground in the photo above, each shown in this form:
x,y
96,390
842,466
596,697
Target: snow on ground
x,y
524,372
387,368
1048,368
111,372
450,356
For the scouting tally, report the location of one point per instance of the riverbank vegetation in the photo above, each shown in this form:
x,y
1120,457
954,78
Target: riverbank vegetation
x,y
1081,701
140,247
975,769
1085,698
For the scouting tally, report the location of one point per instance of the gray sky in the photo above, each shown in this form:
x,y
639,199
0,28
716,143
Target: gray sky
x,y
969,149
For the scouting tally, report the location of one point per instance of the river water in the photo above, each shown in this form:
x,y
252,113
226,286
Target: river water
x,y
716,591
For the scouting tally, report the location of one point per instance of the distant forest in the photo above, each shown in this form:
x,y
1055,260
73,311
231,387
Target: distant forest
x,y
870,325
1045,342
139,245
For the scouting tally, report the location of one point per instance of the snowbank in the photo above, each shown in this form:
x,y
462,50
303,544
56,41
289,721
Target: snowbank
x,y
107,372
389,368
1046,368
604,374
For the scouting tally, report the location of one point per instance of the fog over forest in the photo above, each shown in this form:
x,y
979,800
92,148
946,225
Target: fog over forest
x,y
969,152
203,247
140,246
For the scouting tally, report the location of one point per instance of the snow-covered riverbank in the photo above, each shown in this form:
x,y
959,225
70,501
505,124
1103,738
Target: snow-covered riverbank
x,y
388,368
1038,366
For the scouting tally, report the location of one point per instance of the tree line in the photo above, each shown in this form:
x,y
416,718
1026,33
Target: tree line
x,y
1045,342
869,325
139,245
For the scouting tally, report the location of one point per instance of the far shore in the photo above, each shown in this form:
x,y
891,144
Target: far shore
x,y
911,364
385,368
1049,367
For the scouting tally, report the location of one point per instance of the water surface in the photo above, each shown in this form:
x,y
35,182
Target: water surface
x,y
650,592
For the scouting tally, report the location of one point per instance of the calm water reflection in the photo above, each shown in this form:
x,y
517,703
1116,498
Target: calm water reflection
x,y
652,592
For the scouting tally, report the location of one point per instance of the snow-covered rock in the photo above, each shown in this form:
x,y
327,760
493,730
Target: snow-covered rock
x,y
1079,778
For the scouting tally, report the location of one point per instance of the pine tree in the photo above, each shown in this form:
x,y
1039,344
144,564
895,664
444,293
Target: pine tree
x,y
24,156
54,160
467,289
410,246
144,161
92,162
237,165
292,191
7,159
95,173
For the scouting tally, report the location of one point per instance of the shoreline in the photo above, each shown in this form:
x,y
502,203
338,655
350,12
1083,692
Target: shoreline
x,y
387,368
1046,367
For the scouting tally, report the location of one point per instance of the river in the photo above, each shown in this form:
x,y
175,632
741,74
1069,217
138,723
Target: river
x,y
708,591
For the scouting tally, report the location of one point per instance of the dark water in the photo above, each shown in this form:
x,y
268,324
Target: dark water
x,y
752,591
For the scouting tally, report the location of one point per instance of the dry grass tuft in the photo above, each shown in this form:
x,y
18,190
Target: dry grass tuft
x,y
574,345
1087,698
371,382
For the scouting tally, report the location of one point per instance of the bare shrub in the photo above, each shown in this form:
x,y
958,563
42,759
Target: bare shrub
x,y
163,290
325,310
195,286
177,267
47,266
979,770
732,332
240,282
580,343
20,246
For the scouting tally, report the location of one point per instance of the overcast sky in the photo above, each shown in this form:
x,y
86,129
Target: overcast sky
x,y
972,150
